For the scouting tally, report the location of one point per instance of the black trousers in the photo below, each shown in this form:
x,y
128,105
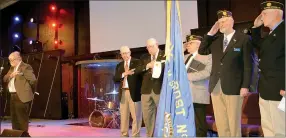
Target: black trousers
x,y
200,120
19,113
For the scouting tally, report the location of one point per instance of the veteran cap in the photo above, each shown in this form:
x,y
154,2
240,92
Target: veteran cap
x,y
272,5
223,13
193,37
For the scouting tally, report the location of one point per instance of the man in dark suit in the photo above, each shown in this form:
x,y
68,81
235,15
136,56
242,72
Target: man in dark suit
x,y
198,69
151,83
20,79
231,72
129,93
271,84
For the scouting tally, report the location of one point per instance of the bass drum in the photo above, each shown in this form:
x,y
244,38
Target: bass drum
x,y
100,118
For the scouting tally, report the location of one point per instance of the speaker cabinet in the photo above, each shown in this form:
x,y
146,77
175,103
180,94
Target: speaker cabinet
x,y
14,133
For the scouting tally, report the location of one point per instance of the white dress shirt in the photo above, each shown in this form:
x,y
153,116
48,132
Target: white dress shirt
x,y
11,84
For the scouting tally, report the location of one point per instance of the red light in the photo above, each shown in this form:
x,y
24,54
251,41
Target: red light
x,y
53,8
56,41
54,24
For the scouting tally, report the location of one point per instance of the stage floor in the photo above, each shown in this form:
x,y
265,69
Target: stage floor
x,y
41,127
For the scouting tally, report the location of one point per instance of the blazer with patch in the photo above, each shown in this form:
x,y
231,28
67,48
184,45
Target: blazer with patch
x,y
271,62
232,67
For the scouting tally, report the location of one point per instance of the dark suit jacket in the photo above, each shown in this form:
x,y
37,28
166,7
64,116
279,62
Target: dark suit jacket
x,y
271,62
234,66
134,81
23,83
149,83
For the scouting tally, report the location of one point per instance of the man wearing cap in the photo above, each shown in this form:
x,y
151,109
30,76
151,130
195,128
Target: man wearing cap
x,y
271,85
151,83
129,92
231,72
198,69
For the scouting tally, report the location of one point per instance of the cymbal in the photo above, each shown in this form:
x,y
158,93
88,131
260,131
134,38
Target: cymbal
x,y
114,92
95,99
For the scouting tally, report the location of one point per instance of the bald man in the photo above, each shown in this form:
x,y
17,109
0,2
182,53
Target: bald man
x,y
271,84
129,94
20,79
151,86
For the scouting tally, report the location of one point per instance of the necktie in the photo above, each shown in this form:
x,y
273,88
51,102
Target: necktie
x,y
224,44
153,58
189,57
126,68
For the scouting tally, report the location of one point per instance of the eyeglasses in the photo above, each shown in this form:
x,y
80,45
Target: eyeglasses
x,y
11,60
150,46
124,53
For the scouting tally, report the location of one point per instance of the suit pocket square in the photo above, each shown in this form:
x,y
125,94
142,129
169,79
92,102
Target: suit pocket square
x,y
236,49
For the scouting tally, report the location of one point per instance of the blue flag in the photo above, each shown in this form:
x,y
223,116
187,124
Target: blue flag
x,y
175,114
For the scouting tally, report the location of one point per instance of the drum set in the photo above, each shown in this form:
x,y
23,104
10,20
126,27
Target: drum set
x,y
106,113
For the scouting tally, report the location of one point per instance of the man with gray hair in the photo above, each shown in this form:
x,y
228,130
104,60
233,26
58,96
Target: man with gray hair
x,y
231,72
129,93
151,83
271,84
20,79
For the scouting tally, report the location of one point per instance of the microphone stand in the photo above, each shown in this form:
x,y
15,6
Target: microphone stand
x,y
1,100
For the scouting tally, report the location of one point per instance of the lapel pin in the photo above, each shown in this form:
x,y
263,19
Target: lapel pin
x,y
274,34
234,40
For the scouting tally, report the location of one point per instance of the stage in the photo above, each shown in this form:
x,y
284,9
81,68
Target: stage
x,y
69,127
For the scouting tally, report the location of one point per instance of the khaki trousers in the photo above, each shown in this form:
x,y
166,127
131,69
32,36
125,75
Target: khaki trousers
x,y
272,118
149,105
227,112
127,106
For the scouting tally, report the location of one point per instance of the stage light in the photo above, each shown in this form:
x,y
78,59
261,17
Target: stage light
x,y
54,24
17,18
60,42
16,35
31,42
53,8
32,20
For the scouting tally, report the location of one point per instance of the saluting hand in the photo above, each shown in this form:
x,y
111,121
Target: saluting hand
x,y
258,21
214,29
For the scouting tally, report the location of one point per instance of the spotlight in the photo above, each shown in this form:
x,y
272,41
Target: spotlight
x,y
16,35
58,42
31,42
32,20
17,18
53,8
54,24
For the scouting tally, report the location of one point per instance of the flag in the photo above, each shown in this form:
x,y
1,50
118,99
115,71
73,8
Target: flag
x,y
175,114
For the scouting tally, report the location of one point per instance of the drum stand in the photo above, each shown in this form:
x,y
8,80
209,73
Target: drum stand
x,y
113,123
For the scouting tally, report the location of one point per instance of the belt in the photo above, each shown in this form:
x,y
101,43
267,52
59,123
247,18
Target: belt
x,y
125,88
13,92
